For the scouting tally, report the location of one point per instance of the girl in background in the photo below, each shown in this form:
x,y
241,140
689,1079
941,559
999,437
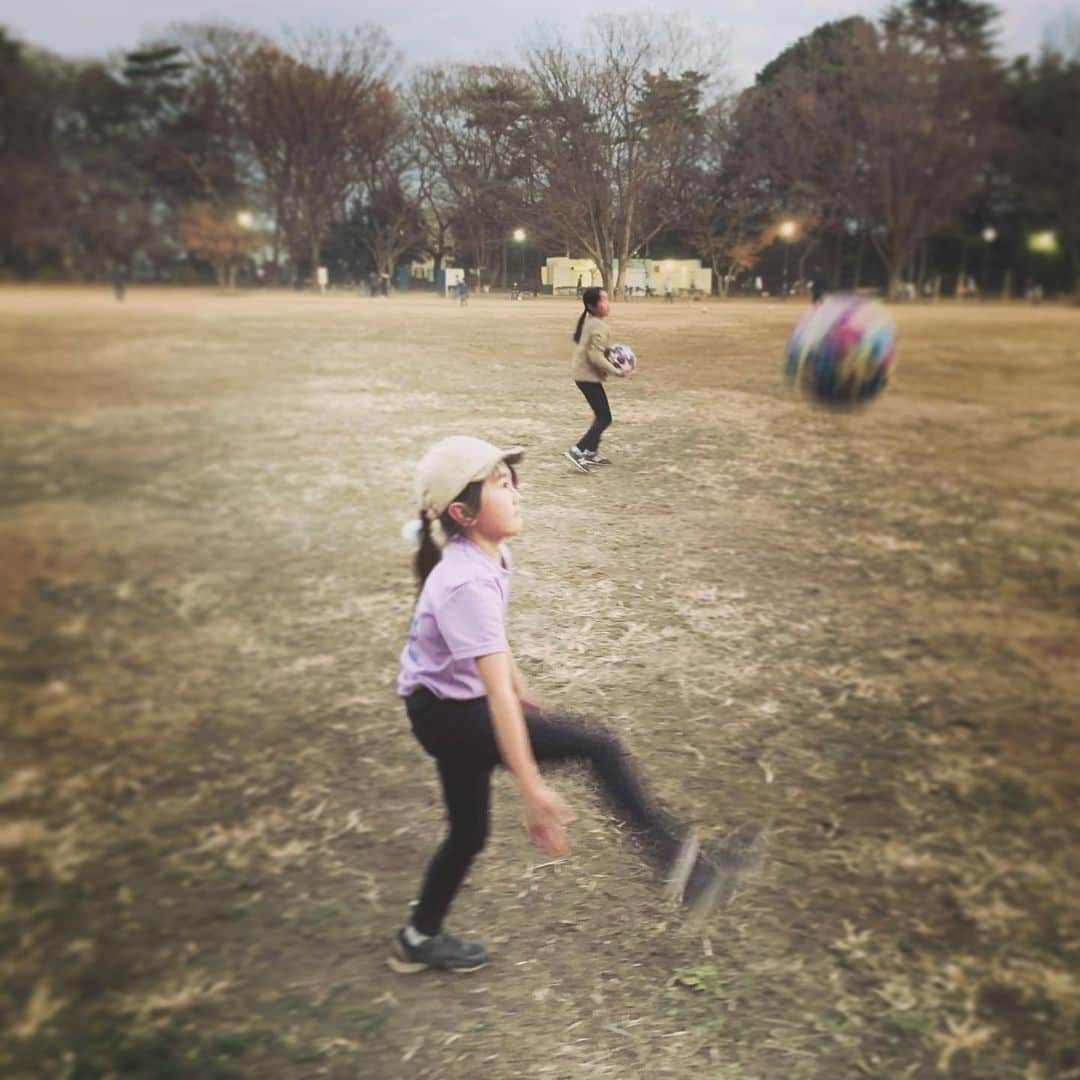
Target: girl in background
x,y
590,367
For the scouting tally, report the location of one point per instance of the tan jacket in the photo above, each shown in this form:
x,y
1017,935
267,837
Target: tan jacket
x,y
588,362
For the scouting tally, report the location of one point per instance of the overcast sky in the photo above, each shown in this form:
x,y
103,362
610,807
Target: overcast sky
x,y
427,31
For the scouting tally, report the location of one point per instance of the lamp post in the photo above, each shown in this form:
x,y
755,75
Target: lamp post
x,y
245,220
989,235
787,231
519,239
1041,243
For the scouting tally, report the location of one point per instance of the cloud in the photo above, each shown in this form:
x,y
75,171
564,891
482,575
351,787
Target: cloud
x,y
482,31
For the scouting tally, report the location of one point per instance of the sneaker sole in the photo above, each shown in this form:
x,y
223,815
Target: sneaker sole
x,y
739,860
579,465
396,962
680,872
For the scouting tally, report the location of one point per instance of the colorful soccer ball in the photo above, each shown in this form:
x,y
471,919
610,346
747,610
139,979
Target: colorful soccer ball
x,y
622,356
842,351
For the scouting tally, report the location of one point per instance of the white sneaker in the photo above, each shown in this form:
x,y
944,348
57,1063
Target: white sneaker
x,y
577,458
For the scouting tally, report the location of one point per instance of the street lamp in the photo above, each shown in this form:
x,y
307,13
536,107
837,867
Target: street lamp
x,y
245,220
989,235
787,232
1041,243
519,239
1044,243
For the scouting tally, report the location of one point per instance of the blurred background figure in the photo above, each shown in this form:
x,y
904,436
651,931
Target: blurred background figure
x,y
119,282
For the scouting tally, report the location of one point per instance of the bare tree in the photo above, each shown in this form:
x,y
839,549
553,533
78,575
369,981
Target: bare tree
x,y
613,130
34,196
798,135
473,126
728,210
208,139
1042,158
219,238
436,211
387,184
927,133
888,129
308,114
1061,35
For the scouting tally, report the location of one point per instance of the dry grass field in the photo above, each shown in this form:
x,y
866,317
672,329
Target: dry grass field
x,y
857,632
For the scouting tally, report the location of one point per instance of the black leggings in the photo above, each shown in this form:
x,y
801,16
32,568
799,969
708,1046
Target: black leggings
x,y
596,396
460,736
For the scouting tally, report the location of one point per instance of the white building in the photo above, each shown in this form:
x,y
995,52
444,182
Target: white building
x,y
656,275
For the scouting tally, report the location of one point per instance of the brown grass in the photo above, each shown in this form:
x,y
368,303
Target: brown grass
x,y
859,632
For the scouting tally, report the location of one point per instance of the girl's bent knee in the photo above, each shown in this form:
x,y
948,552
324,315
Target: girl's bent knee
x,y
468,844
606,745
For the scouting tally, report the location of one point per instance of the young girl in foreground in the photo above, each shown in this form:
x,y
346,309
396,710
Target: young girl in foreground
x,y
470,709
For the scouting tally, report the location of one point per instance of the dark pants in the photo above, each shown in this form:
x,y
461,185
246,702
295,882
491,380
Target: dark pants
x,y
596,396
460,736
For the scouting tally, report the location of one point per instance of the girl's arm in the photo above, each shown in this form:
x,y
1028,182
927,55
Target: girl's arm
x,y
528,705
545,810
597,350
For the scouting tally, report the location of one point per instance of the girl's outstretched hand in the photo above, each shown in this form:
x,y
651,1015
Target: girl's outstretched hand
x,y
547,814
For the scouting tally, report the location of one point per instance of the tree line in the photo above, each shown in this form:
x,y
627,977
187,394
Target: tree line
x,y
902,152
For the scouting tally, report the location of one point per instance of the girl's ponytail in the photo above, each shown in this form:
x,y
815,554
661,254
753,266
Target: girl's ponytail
x,y
589,298
580,324
428,554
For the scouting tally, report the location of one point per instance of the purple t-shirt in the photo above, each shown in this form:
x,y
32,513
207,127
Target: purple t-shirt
x,y
460,615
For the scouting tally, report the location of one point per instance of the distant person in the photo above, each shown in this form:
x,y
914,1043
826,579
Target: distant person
x,y
322,276
463,293
590,368
819,286
119,282
580,287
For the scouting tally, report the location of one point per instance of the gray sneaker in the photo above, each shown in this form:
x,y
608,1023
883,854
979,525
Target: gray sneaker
x,y
705,879
577,458
683,864
593,458
443,952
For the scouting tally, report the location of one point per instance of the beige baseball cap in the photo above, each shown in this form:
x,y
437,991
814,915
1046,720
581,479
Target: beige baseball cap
x,y
453,463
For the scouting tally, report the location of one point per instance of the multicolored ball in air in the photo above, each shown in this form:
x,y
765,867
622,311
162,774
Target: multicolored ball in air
x,y
842,351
